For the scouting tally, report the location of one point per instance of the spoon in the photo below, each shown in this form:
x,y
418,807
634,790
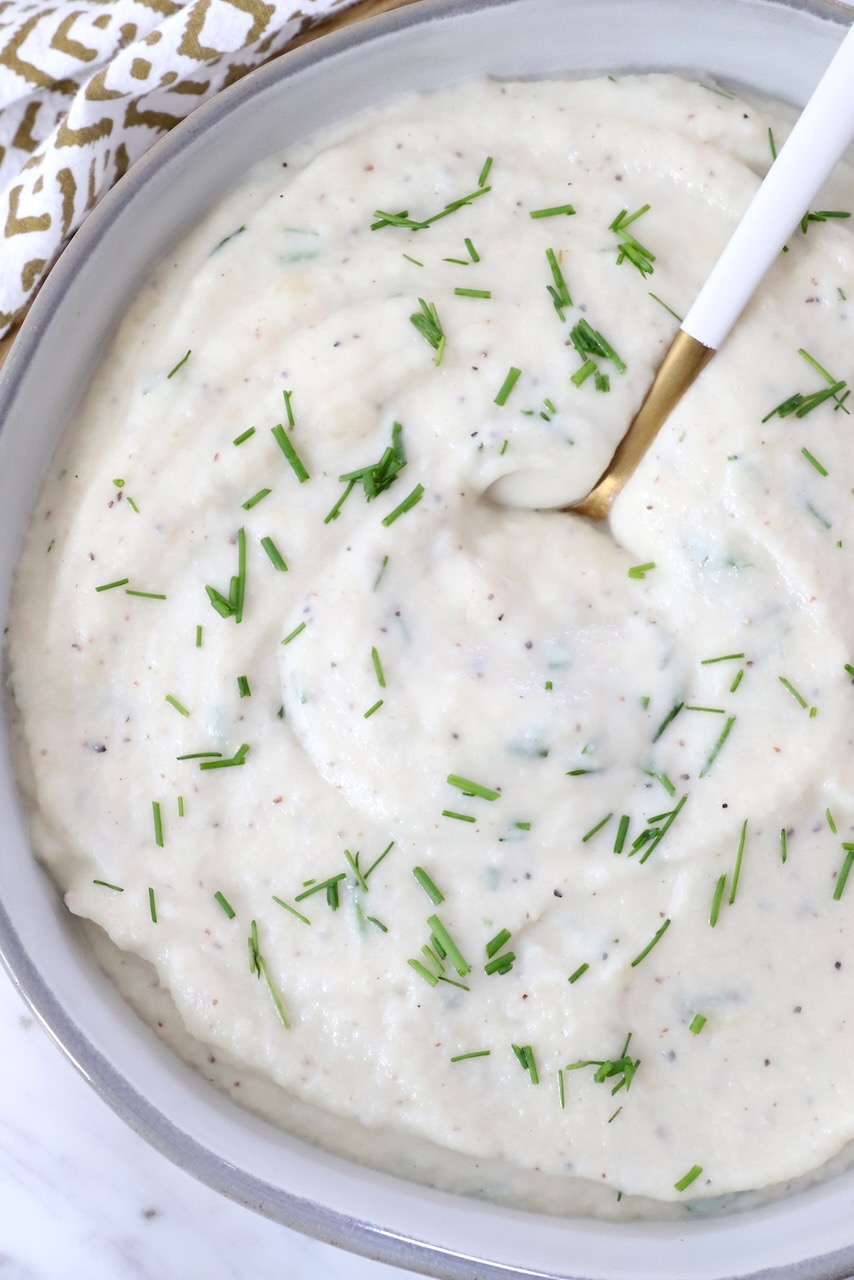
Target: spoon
x,y
820,136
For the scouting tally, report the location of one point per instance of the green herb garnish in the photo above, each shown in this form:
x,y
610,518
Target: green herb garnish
x,y
630,249
258,966
225,904
649,946
691,1176
697,1023
435,895
553,211
158,823
179,365
428,324
179,706
470,788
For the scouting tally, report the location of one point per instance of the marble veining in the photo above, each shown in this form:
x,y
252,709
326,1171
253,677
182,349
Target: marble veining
x,y
83,1198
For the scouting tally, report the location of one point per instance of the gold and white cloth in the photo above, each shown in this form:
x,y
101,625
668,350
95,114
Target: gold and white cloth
x,y
86,87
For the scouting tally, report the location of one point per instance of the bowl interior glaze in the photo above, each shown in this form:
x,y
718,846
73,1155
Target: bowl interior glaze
x,y
776,48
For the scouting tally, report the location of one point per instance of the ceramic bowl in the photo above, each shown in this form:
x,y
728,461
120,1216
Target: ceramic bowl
x,y
776,47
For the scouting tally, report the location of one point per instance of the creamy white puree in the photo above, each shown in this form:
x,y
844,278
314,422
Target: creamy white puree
x,y
516,648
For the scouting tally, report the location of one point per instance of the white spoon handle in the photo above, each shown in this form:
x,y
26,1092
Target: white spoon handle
x,y
821,135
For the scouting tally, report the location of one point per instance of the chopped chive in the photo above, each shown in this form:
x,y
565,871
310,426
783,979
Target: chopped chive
x,y
132,504
245,436
451,949
292,635
793,691
614,1116
590,342
691,1176
459,262
199,636
274,555
239,757
716,711
258,966
243,687
495,944
662,777
737,872
379,576
472,788
379,924
783,843
108,586
622,830
179,365
152,905
579,972
299,915
560,294
158,823
472,252
408,503
814,461
356,869
180,806
484,173
255,499
473,293
671,715
843,874
370,711
500,964
423,972
649,946
772,145
413,260
321,884
226,239
200,755
179,706
553,211
830,820
525,1057
461,817
522,826
478,1053
716,900
146,595
661,303
507,385
725,657
641,570
378,667
737,681
287,448
240,581
386,851
428,324
435,895
106,885
583,373
225,904
715,751
561,1093
599,825
697,1023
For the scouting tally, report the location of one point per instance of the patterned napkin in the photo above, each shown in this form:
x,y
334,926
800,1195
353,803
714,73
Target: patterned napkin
x,y
86,87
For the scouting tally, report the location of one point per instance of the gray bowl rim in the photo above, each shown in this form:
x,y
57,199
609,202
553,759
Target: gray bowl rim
x,y
327,1225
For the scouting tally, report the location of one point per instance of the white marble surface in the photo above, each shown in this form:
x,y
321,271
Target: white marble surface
x,y
83,1198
